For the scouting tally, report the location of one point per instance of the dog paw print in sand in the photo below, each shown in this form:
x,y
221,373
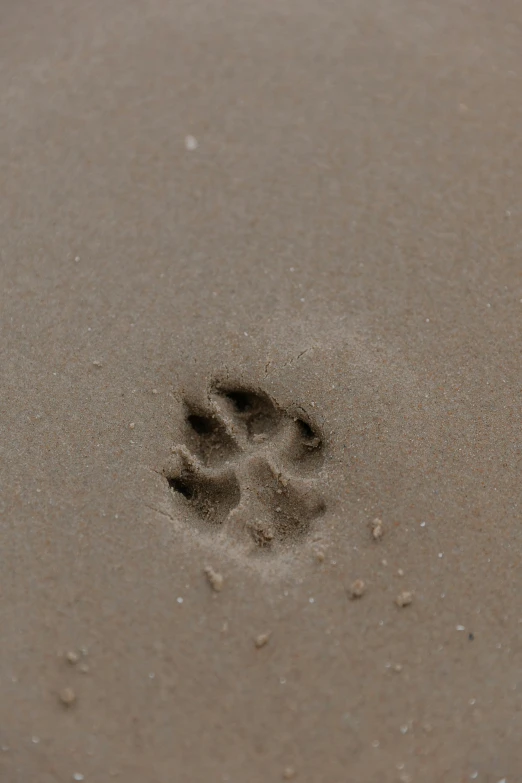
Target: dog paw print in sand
x,y
248,470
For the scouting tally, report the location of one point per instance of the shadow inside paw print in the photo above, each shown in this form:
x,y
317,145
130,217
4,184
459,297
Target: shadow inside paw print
x,y
247,469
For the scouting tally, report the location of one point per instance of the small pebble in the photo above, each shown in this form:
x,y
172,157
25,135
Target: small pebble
x,y
404,599
357,589
319,555
400,572
72,657
67,697
288,773
191,143
78,776
131,425
377,529
262,639
96,363
215,579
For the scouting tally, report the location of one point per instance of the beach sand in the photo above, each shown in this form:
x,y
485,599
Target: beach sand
x,y
261,285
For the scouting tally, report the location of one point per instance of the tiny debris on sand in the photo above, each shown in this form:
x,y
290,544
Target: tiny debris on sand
x,y
131,425
377,529
72,657
404,599
67,697
319,555
263,535
191,143
262,639
357,589
215,579
288,773
96,363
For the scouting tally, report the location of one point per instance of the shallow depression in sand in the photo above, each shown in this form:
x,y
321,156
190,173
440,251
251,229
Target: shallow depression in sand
x,y
246,471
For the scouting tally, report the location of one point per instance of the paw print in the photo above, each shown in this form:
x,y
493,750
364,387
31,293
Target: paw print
x,y
247,471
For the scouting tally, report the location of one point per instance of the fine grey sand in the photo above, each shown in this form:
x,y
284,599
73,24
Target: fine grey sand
x,y
261,284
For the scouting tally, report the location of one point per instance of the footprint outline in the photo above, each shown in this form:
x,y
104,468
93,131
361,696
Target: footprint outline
x,y
249,471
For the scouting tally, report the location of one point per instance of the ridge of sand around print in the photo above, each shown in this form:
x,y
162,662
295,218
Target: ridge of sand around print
x,y
227,433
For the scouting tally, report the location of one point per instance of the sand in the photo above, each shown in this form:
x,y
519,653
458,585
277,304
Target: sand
x,y
260,256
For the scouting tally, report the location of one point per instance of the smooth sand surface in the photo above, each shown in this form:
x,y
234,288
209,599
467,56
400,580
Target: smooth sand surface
x,y
340,242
